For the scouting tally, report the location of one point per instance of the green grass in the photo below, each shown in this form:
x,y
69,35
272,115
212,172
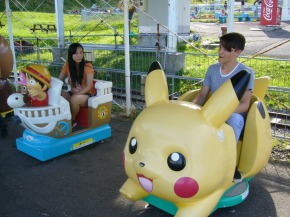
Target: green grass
x,y
22,22
281,151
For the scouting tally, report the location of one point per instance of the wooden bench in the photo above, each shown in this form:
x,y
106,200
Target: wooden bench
x,y
223,19
243,18
207,16
255,17
43,27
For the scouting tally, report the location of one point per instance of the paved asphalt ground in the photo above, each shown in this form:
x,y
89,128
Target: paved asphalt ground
x,y
86,183
258,38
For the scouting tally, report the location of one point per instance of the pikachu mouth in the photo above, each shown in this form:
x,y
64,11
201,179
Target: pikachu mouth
x,y
145,182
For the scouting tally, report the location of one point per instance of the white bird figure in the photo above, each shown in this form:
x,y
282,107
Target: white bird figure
x,y
16,100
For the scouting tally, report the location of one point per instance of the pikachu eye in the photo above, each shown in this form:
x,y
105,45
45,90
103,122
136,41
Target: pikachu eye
x,y
176,161
133,145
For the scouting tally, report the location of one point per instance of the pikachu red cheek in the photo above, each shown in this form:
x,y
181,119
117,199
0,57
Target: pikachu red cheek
x,y
186,187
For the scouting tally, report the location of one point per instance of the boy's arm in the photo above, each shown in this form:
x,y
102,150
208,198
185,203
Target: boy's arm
x,y
201,96
244,103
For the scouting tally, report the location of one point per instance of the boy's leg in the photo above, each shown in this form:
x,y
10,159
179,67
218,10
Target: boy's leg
x,y
236,121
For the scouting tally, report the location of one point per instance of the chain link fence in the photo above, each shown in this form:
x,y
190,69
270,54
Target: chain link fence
x,y
184,71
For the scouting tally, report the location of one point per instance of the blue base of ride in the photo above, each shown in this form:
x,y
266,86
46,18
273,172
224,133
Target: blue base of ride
x,y
44,147
225,201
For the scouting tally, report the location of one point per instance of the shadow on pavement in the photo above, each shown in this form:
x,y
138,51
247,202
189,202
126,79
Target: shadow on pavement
x,y
258,203
279,33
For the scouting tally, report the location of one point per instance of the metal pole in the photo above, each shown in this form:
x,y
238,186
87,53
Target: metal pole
x,y
231,7
8,14
127,57
59,22
158,37
172,25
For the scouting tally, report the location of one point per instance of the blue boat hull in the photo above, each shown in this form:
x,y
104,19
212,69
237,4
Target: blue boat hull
x,y
44,147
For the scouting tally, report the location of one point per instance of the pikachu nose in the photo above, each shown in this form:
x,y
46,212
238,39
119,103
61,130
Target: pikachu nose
x,y
141,164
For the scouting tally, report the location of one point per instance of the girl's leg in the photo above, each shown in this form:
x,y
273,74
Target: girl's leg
x,y
65,95
77,101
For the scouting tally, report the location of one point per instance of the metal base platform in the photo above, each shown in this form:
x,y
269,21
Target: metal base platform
x,y
232,197
44,147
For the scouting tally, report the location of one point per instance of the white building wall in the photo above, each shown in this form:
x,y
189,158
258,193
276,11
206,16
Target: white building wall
x,y
158,9
184,17
285,11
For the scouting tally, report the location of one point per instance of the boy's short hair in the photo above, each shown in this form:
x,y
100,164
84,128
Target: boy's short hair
x,y
233,40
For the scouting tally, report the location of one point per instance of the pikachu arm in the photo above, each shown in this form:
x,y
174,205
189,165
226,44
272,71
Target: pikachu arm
x,y
132,191
200,208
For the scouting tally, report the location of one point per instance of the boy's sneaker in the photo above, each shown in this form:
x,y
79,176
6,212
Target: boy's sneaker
x,y
74,124
237,176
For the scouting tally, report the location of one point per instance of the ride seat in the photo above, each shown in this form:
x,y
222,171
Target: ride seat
x,y
254,146
98,111
83,114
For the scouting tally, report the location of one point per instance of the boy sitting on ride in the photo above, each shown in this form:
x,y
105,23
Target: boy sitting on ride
x,y
231,46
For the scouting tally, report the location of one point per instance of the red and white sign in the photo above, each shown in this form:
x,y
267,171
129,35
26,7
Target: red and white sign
x,y
270,13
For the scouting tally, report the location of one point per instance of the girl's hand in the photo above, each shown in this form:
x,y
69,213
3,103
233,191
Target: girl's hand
x,y
76,89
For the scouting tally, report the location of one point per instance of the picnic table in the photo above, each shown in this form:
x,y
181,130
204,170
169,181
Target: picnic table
x,y
43,27
1,24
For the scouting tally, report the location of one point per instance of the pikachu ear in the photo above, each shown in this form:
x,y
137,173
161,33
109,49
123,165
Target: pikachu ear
x,y
156,89
154,66
225,100
261,86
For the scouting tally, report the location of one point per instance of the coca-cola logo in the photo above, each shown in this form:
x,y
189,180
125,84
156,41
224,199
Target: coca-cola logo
x,y
268,10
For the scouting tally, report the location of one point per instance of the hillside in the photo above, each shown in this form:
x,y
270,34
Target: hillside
x,y
48,5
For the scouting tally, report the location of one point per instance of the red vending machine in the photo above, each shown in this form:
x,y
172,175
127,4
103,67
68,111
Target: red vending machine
x,y
271,12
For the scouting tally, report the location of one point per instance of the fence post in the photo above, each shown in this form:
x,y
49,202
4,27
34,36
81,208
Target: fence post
x,y
70,37
115,36
224,30
142,88
38,50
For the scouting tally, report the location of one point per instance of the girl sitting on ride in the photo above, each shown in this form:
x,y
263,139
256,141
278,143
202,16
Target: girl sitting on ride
x,y
80,74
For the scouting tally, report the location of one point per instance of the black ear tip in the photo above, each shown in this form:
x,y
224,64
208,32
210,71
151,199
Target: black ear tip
x,y
242,75
154,66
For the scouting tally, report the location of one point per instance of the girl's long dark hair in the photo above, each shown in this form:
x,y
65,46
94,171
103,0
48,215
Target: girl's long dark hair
x,y
76,76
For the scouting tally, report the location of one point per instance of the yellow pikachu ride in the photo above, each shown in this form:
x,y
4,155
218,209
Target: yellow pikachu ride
x,y
181,157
